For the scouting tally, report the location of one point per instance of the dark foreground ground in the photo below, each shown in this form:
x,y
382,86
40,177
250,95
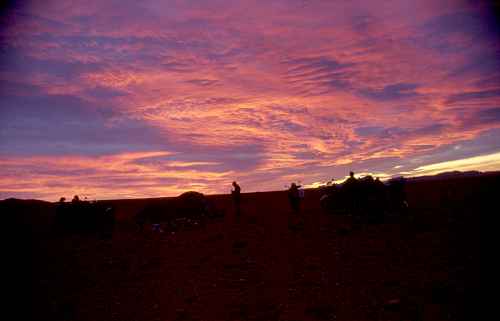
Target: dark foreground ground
x,y
266,266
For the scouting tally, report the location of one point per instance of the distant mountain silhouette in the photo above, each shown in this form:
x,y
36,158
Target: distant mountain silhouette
x,y
448,175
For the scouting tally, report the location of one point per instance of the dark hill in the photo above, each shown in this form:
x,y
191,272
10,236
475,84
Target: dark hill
x,y
269,265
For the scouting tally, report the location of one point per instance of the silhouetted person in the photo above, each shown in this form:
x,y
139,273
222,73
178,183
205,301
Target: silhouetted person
x,y
236,192
294,197
351,180
350,187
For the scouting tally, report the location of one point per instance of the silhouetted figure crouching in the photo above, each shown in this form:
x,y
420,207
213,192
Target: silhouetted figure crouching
x,y
83,217
75,199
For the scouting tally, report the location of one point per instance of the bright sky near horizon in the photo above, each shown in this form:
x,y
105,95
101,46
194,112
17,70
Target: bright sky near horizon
x,y
122,99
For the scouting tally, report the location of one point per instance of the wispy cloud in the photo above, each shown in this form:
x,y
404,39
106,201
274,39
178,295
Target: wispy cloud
x,y
120,175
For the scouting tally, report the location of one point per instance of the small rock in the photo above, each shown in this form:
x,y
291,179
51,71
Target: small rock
x,y
392,304
321,312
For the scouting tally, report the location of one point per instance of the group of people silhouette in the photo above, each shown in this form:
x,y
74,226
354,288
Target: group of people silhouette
x,y
357,196
295,194
354,194
83,216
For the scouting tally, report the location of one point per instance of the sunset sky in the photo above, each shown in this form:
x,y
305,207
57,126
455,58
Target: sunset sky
x,y
124,99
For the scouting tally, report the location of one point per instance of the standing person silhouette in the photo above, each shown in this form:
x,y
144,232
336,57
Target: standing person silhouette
x,y
351,188
294,197
236,192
